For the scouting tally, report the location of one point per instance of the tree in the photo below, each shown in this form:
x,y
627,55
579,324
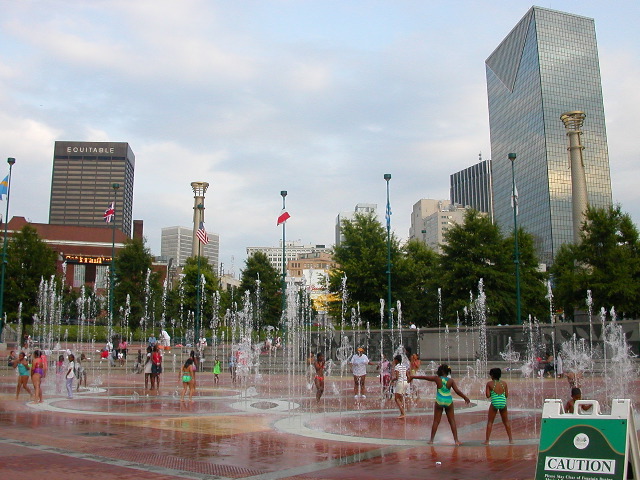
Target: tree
x,y
269,302
416,275
362,258
189,283
133,277
29,260
477,250
605,261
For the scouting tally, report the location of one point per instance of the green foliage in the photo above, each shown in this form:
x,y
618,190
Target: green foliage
x,y
416,275
132,266
189,283
606,261
258,267
477,250
362,257
29,260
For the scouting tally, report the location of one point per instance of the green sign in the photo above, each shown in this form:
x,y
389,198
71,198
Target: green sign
x,y
583,446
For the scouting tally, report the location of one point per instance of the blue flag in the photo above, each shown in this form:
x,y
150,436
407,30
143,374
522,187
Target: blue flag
x,y
387,215
4,187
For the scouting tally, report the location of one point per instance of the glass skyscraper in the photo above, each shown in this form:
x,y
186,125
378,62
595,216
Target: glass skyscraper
x,y
471,187
546,66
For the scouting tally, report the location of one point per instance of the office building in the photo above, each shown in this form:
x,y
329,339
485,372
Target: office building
x,y
362,208
293,251
176,243
471,187
432,219
546,66
82,184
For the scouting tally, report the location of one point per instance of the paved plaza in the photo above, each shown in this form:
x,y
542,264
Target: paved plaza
x,y
269,428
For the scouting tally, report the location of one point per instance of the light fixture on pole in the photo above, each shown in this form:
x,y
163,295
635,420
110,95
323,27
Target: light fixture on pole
x,y
10,161
516,251
112,269
387,177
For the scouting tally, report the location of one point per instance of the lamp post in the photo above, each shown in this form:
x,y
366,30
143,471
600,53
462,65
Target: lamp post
x,y
10,161
112,269
387,177
283,193
516,251
196,326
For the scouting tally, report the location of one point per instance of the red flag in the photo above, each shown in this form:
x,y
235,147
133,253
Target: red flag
x,y
284,216
109,213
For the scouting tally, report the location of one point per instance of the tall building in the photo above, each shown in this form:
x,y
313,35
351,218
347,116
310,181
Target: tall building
x,y
546,66
363,208
293,251
82,180
176,243
471,187
432,219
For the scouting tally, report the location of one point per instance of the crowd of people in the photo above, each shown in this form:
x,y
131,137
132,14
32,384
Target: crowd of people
x,y
396,379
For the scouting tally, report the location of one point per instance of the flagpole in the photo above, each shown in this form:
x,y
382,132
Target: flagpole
x,y
284,261
387,177
10,161
112,270
196,327
516,251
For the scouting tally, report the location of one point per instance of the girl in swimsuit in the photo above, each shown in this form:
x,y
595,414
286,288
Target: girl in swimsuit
x,y
23,374
37,371
498,392
187,376
319,378
444,400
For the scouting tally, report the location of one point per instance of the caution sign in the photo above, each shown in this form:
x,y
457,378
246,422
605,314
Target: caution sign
x,y
586,444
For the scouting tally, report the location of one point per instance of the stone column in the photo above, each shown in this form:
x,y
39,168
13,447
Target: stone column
x,y
199,189
579,199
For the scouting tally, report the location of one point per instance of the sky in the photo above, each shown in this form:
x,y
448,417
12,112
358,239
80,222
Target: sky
x,y
318,98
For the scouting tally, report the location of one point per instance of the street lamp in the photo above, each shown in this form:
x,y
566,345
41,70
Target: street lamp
x,y
10,161
387,177
516,251
112,269
283,193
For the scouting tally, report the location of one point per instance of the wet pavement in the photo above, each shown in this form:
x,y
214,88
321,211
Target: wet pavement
x,y
270,429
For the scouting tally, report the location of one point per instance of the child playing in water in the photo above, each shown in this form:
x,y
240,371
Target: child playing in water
x,y
319,376
576,394
444,400
400,383
216,371
187,376
498,392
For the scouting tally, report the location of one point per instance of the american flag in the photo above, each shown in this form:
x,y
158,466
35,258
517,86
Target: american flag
x,y
110,212
201,233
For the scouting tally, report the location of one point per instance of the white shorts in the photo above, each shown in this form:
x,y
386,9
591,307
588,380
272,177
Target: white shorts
x,y
401,387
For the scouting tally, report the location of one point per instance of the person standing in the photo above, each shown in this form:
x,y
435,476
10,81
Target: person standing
x,y
444,400
23,374
37,373
147,369
385,375
359,363
400,382
318,380
233,366
498,392
71,374
188,377
216,371
81,372
156,367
